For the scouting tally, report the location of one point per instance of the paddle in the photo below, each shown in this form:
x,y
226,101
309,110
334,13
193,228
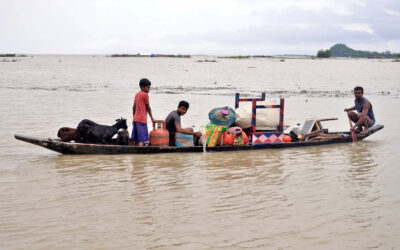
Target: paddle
x,y
353,133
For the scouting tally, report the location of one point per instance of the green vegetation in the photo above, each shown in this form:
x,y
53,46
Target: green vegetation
x,y
341,50
7,55
128,55
152,55
178,56
235,57
261,56
324,54
12,55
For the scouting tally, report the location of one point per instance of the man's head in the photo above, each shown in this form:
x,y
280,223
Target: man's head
x,y
145,85
358,92
183,106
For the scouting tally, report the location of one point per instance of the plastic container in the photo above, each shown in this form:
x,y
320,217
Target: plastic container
x,y
183,140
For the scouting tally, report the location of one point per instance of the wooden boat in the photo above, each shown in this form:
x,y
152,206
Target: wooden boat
x,y
83,148
313,134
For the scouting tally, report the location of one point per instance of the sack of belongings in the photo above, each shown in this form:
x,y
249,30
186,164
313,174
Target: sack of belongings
x,y
267,119
224,116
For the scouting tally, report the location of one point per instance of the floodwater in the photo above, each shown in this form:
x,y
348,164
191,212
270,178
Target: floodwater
x,y
328,197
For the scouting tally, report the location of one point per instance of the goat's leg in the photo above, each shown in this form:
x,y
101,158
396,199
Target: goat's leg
x,y
104,140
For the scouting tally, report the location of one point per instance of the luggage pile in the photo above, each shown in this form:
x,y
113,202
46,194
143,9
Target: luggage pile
x,y
219,131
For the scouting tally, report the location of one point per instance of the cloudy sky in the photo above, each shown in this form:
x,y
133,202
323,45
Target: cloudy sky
x,y
213,27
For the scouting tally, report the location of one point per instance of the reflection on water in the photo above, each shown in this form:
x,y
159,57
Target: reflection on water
x,y
362,162
361,173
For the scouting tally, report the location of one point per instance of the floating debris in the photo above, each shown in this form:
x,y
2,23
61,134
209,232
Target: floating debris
x,y
12,60
228,90
207,60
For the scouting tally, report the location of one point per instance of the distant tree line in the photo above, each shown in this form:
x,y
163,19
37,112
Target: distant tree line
x,y
324,53
150,55
341,50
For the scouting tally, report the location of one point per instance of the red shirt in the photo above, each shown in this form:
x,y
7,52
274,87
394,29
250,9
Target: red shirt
x,y
141,100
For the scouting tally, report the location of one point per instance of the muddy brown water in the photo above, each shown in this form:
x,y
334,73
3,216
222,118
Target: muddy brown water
x,y
334,196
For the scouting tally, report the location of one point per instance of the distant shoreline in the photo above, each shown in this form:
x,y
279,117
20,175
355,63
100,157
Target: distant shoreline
x,y
236,57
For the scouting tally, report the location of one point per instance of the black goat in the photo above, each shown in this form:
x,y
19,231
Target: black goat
x,y
123,137
92,132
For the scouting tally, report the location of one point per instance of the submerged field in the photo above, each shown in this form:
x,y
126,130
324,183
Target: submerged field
x,y
338,196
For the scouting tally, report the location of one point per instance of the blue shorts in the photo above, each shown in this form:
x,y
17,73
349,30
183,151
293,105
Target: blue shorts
x,y
371,124
140,132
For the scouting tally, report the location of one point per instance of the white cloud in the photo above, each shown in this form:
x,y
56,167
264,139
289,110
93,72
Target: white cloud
x,y
363,27
392,12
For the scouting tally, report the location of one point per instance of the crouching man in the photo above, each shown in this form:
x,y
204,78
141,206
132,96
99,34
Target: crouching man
x,y
364,118
173,123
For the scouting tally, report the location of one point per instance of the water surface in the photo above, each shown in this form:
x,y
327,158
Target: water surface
x,y
334,196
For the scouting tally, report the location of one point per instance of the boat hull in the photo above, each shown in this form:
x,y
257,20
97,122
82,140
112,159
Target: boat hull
x,y
84,148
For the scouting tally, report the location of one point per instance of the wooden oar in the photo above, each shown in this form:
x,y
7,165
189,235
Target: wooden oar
x,y
353,133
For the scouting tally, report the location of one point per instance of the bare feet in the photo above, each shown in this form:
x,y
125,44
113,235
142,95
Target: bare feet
x,y
364,131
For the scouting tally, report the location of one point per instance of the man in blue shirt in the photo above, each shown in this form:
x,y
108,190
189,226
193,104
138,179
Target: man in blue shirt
x,y
364,118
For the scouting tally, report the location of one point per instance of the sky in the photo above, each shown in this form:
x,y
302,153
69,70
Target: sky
x,y
197,27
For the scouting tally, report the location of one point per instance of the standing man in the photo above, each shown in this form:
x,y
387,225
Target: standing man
x,y
364,116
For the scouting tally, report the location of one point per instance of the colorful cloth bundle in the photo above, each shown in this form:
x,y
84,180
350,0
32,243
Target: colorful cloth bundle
x,y
213,133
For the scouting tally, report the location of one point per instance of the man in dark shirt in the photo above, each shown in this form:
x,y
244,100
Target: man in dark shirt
x,y
365,115
173,123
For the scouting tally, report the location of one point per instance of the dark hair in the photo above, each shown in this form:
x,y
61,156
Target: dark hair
x,y
183,104
359,88
144,82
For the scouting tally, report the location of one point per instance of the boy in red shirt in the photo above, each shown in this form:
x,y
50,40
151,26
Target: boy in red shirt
x,y
141,107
